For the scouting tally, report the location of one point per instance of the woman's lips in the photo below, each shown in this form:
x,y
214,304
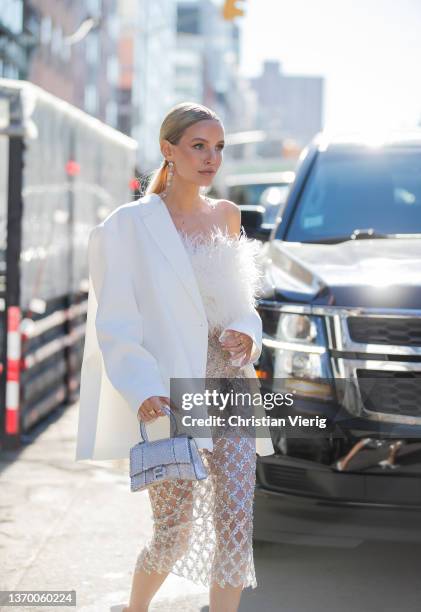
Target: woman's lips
x,y
206,171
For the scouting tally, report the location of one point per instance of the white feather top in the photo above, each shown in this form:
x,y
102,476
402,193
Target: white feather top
x,y
227,272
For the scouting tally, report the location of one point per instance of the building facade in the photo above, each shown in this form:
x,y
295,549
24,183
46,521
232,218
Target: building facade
x,y
127,111
19,32
290,105
76,58
207,58
153,78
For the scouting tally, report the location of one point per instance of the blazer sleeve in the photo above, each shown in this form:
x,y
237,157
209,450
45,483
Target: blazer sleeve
x,y
131,369
250,324
249,279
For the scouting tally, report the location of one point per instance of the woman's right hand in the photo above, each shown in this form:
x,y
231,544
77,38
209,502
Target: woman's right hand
x,y
151,408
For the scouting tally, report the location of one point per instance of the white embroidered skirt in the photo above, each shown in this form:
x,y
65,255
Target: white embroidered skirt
x,y
203,529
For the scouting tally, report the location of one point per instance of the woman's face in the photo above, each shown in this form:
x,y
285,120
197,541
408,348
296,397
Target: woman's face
x,y
198,150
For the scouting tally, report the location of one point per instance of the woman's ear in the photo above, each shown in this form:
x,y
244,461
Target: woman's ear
x,y
165,146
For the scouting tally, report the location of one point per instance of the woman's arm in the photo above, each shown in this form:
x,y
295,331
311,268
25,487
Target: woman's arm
x,y
132,370
250,324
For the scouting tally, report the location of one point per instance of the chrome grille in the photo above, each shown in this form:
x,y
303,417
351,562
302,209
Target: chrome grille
x,y
390,392
385,330
370,340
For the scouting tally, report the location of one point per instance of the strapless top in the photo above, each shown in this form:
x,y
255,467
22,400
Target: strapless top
x,y
228,273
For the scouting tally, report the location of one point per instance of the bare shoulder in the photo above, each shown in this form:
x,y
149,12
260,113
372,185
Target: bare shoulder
x,y
230,213
230,208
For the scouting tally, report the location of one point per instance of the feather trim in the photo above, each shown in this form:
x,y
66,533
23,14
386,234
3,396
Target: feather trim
x,y
227,272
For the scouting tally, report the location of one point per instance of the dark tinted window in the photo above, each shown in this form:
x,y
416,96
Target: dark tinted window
x,y
246,194
360,189
252,194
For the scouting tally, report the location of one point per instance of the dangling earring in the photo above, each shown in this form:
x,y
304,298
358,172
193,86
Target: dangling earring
x,y
170,174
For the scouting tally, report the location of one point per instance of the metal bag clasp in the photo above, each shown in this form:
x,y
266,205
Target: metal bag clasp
x,y
158,471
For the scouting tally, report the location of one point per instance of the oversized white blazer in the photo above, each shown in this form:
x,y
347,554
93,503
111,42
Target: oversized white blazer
x,y
146,324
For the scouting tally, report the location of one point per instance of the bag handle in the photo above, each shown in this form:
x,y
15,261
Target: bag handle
x,y
143,427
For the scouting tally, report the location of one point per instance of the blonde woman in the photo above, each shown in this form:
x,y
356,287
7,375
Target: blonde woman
x,y
171,272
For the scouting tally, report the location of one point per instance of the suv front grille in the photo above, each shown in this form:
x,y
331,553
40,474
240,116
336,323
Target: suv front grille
x,y
385,330
390,392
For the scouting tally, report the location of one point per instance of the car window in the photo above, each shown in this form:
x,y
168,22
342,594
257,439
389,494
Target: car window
x,y
246,194
263,194
360,189
273,199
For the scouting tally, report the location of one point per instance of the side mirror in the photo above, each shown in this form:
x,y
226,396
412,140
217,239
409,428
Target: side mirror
x,y
252,220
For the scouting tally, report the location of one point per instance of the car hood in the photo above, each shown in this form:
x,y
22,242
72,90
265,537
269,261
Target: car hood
x,y
375,273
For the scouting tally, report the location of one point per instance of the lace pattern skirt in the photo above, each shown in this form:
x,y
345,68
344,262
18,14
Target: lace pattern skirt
x,y
202,530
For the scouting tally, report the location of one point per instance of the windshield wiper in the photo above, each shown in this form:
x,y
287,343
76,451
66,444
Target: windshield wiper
x,y
358,234
363,234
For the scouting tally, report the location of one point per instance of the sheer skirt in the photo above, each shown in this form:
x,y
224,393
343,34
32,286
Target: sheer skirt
x,y
203,530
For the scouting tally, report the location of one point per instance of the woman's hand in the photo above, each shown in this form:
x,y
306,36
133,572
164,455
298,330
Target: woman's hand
x,y
238,344
151,408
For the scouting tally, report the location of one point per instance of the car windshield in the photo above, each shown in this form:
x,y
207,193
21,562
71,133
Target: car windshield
x,y
364,189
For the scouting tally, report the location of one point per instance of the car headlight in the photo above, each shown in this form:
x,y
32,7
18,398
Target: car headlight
x,y
295,327
300,357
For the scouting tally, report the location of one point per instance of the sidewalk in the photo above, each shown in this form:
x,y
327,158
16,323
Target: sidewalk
x,y
74,525
67,525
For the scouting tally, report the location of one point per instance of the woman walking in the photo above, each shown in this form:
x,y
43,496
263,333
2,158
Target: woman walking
x,y
203,528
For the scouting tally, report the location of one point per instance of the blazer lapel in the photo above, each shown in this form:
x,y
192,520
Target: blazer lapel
x,y
164,232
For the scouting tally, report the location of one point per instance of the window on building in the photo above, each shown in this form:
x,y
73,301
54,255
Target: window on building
x,y
111,113
93,7
92,48
12,15
10,71
66,52
91,99
57,40
46,30
113,25
188,19
183,71
112,70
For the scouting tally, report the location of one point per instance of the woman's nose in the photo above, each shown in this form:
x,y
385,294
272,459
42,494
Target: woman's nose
x,y
212,157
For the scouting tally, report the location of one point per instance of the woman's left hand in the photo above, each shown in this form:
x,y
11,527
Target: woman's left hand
x,y
238,344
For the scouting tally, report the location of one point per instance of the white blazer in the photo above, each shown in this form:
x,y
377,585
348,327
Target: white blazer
x,y
146,324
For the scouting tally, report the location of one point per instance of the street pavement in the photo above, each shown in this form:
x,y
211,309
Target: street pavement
x,y
76,525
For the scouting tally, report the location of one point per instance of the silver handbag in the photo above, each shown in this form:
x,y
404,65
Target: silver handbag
x,y
164,459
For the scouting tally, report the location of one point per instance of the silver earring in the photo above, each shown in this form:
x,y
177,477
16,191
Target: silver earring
x,y
170,174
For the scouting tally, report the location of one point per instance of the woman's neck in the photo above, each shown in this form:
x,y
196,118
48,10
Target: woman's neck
x,y
183,198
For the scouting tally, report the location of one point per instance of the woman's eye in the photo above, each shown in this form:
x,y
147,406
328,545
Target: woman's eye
x,y
200,144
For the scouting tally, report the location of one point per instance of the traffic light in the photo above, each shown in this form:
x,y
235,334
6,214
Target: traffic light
x,y
232,10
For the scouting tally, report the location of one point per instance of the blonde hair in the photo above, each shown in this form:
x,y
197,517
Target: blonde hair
x,y
176,121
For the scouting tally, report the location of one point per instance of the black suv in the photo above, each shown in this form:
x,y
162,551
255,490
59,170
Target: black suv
x,y
341,312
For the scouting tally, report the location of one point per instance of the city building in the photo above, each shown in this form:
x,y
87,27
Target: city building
x,y
19,31
170,52
76,58
207,58
153,76
290,105
52,63
127,111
